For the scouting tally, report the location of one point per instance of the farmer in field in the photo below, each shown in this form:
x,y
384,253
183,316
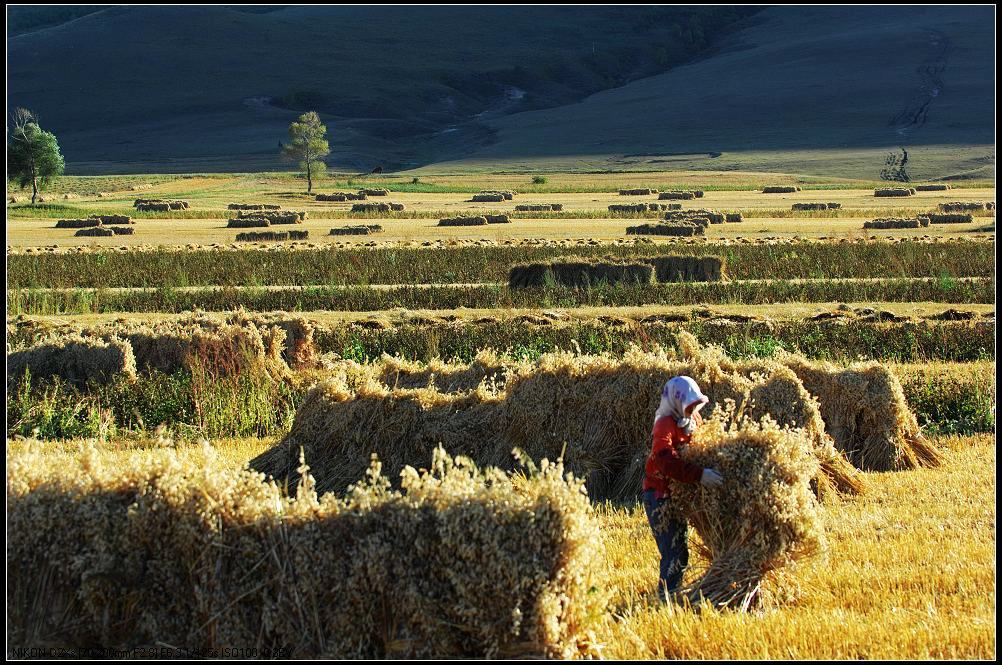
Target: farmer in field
x,y
674,422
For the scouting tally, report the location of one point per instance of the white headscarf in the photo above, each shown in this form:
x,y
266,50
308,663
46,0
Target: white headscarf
x,y
678,394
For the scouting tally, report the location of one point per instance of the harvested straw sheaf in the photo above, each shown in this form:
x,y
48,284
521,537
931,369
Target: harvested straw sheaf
x,y
866,414
163,551
685,228
506,194
964,206
376,192
762,518
687,268
639,191
342,196
733,217
643,207
686,196
95,231
780,189
893,223
123,230
539,207
274,216
695,215
253,206
365,230
77,223
894,191
113,219
496,197
497,219
74,358
579,273
247,222
463,221
279,236
932,188
371,207
816,206
159,205
950,217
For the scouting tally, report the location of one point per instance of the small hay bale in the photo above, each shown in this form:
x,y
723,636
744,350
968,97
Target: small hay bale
x,y
274,216
159,205
894,191
123,230
506,194
816,206
628,208
668,229
463,221
762,518
356,230
666,196
733,217
376,192
496,197
74,358
262,236
396,207
780,189
539,207
253,206
247,222
77,223
639,191
687,268
342,196
299,235
965,206
497,219
893,223
932,188
98,231
950,217
371,207
108,220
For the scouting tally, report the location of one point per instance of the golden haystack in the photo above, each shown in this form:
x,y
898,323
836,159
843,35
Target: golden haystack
x,y
158,551
762,518
74,358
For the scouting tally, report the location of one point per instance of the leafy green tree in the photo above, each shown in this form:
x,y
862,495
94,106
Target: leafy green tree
x,y
32,153
308,146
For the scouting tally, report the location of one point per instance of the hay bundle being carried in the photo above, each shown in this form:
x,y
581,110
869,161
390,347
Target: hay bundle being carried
x,y
816,206
365,230
894,223
539,207
375,192
254,206
639,191
77,223
341,196
95,231
123,230
950,217
497,219
894,191
579,273
378,573
687,268
686,196
74,358
248,222
371,207
491,197
683,228
763,517
965,206
780,189
932,188
866,414
463,221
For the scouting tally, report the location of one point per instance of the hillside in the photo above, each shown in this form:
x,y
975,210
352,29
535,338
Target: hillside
x,y
827,90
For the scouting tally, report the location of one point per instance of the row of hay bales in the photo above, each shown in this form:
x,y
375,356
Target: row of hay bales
x,y
263,218
493,196
683,195
780,189
965,206
854,417
703,216
683,228
948,217
253,206
579,272
261,236
379,191
637,191
377,207
106,231
896,223
237,343
476,220
342,196
159,205
895,191
816,206
94,220
643,207
363,230
160,549
539,207
933,188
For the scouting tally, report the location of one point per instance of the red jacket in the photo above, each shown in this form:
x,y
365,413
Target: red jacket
x,y
664,463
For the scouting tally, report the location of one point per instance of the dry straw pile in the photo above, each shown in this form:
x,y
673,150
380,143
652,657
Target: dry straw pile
x,y
763,518
950,217
123,230
459,563
895,191
489,197
685,196
639,191
253,206
506,194
687,268
780,189
896,223
964,206
365,230
376,192
643,207
259,236
683,228
539,207
463,221
247,222
77,223
342,196
579,273
159,205
95,231
932,188
275,217
74,358
113,219
816,206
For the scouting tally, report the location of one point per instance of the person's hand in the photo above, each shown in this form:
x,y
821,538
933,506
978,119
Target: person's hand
x,y
696,418
711,478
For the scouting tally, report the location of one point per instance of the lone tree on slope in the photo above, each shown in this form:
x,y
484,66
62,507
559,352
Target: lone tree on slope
x,y
308,146
32,153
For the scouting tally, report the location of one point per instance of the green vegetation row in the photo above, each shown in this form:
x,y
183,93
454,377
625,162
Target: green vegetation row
x,y
364,299
465,265
196,404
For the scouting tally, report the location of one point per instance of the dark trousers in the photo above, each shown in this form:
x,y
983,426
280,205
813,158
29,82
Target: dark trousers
x,y
673,544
